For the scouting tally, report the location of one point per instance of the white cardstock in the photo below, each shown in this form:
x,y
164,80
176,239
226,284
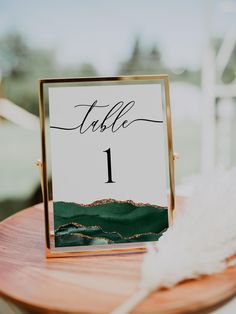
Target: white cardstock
x,y
91,126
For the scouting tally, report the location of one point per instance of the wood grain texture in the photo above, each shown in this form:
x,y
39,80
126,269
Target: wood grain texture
x,y
89,284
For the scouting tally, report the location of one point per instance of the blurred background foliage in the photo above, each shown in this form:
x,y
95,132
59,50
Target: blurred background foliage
x,y
22,66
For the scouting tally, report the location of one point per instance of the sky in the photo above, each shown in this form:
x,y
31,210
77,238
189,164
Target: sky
x,y
103,31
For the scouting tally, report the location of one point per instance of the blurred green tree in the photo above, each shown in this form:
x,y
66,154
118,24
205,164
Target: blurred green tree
x,y
149,61
13,55
142,61
22,65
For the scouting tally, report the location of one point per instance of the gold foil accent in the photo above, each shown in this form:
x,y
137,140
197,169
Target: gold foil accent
x,y
101,229
112,200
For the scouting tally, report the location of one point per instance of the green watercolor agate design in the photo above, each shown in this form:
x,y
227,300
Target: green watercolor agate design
x,y
107,222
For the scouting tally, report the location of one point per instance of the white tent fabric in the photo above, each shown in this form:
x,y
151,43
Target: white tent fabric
x,y
18,115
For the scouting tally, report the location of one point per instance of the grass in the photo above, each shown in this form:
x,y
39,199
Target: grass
x,y
20,149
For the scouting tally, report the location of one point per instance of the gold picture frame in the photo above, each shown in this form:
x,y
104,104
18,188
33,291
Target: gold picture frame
x,y
51,250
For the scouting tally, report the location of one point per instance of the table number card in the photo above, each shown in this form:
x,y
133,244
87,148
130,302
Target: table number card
x,y
111,162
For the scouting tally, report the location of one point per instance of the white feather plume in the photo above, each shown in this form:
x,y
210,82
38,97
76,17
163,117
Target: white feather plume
x,y
202,238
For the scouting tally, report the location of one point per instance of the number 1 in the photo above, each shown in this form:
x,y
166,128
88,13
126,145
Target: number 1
x,y
108,151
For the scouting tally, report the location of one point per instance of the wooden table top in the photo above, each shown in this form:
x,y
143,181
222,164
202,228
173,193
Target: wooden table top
x,y
94,284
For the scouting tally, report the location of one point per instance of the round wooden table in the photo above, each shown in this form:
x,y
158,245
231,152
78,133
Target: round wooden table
x,y
89,284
